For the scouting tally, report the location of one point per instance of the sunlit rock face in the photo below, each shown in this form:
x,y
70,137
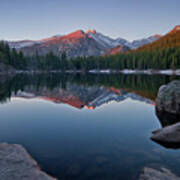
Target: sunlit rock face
x,y
74,44
79,43
177,28
117,50
17,164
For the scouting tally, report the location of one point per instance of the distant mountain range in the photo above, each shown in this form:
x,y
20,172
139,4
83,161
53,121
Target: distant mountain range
x,y
80,43
171,39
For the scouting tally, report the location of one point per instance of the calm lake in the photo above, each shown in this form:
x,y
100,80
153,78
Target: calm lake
x,y
80,127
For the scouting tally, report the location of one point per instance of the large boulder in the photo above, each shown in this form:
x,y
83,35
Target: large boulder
x,y
154,174
17,164
168,113
168,99
168,136
167,119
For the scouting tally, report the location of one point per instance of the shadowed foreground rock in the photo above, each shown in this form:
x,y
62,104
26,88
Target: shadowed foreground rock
x,y
167,119
168,113
153,174
17,164
168,136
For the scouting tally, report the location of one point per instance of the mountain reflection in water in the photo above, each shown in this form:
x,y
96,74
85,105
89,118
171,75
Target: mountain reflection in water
x,y
47,114
81,91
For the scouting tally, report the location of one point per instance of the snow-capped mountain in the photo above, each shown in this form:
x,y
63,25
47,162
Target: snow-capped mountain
x,y
106,41
138,43
21,44
27,43
74,44
79,43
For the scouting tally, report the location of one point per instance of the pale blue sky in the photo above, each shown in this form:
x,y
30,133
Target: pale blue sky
x,y
130,19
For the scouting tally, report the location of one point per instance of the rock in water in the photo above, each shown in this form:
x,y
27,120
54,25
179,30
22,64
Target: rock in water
x,y
153,174
167,119
168,136
168,112
17,164
168,98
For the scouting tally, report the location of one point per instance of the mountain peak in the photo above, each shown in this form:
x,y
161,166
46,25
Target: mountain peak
x,y
157,36
177,28
78,34
81,43
93,31
79,31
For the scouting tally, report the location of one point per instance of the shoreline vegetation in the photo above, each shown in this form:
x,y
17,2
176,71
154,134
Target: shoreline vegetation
x,y
160,61
160,57
141,84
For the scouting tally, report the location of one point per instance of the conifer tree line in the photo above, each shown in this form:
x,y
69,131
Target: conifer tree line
x,y
144,85
148,58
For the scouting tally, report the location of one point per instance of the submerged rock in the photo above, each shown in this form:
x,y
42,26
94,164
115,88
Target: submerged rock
x,y
168,136
17,164
153,174
168,99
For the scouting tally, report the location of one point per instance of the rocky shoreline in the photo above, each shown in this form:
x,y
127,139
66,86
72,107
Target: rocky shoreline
x,y
157,174
17,164
168,112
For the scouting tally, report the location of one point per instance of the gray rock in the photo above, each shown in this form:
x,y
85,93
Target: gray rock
x,y
153,174
168,98
168,112
17,164
168,136
167,119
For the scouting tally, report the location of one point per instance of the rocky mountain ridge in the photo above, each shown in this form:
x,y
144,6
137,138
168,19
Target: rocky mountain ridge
x,y
79,43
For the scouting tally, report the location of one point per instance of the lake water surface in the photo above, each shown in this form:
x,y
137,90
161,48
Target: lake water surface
x,y
82,127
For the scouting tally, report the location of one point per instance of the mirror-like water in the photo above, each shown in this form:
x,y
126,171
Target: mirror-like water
x,y
86,126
